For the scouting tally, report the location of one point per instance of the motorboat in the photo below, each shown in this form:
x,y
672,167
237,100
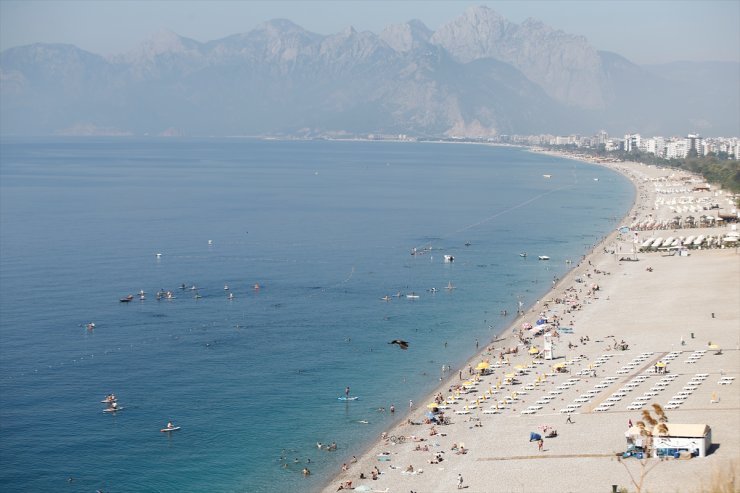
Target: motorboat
x,y
449,258
543,257
127,299
523,254
412,296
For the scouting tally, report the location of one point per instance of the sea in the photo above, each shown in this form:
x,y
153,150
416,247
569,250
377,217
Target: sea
x,y
277,255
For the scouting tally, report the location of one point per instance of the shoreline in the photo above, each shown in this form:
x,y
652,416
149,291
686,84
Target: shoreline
x,y
599,254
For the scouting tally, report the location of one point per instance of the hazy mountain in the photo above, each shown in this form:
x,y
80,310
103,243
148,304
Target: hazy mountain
x,y
479,75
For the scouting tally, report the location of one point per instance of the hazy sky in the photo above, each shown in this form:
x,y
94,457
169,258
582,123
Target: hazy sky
x,y
644,31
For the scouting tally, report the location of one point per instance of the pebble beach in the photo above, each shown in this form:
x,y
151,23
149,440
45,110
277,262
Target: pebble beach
x,y
614,318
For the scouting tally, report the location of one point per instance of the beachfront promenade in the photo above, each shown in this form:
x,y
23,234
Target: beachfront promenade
x,y
683,311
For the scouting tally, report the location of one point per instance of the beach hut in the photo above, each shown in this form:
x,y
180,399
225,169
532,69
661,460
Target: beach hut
x,y
695,438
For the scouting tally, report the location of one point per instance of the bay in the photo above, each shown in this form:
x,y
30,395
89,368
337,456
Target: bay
x,y
326,230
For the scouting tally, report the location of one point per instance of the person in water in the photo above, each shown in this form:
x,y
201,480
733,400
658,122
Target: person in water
x,y
170,425
346,391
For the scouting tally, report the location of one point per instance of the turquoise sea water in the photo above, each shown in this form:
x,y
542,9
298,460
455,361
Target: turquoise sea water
x,y
325,228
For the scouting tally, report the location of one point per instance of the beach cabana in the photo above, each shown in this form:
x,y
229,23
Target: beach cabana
x,y
696,438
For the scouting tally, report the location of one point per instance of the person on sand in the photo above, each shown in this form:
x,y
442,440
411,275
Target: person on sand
x,y
459,481
540,444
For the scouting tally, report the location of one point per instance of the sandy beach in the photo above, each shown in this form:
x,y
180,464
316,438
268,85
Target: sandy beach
x,y
683,310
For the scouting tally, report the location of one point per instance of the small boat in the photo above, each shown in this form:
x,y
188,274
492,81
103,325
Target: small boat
x,y
226,287
432,290
386,298
412,296
546,176
467,243
449,258
159,255
127,299
90,326
523,254
543,257
231,296
167,430
449,286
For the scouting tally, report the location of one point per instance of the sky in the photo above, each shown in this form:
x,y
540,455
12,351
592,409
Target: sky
x,y
644,31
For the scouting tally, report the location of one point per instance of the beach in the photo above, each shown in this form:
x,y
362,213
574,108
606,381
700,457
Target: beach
x,y
615,319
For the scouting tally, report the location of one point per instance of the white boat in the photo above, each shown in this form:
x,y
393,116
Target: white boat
x,y
543,257
449,286
412,296
523,254
449,258
546,176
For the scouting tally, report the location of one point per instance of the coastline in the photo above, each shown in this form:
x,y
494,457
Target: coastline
x,y
469,427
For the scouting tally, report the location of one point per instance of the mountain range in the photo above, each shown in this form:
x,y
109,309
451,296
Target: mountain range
x,y
477,76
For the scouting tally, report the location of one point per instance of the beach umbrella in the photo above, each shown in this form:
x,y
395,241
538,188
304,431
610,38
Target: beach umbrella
x,y
432,405
510,375
559,365
483,365
660,364
713,346
533,350
521,367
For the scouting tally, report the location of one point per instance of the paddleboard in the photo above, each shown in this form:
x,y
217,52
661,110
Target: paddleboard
x,y
165,430
110,410
347,398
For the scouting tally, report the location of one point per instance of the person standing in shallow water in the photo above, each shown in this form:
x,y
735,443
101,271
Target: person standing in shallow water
x,y
393,408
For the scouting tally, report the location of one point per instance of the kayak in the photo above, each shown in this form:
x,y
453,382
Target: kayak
x,y
112,409
165,430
